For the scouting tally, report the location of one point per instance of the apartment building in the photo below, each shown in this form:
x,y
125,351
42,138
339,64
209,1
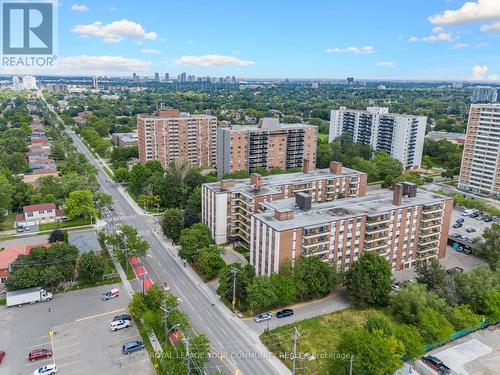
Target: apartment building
x,y
480,169
484,94
168,135
269,144
401,226
227,205
402,136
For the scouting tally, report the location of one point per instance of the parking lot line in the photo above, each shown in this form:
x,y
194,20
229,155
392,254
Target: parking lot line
x,y
70,363
65,338
74,372
98,315
123,338
39,345
66,346
136,362
68,354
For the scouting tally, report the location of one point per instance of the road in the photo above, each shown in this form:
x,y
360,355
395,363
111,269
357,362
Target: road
x,y
238,345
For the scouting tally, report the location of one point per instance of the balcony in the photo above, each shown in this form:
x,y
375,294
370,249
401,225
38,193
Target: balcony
x,y
376,227
314,232
378,219
422,240
377,236
375,245
319,242
427,224
430,216
432,208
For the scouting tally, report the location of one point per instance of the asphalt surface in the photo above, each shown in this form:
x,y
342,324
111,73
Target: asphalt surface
x,y
235,344
82,342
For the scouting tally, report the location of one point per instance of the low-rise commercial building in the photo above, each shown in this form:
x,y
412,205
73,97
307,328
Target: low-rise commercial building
x,y
227,205
125,139
402,226
270,144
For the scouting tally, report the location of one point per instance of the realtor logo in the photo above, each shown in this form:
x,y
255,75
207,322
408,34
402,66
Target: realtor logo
x,y
28,34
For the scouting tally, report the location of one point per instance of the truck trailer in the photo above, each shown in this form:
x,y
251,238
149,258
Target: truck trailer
x,y
24,296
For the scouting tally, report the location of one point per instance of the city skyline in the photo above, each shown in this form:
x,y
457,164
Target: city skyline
x,y
438,40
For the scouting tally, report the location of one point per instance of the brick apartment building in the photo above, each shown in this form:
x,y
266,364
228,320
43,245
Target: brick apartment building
x,y
401,226
269,144
227,205
168,135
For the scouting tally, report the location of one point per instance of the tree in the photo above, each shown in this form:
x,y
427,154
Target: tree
x,y
438,280
121,174
261,294
489,248
80,203
193,240
434,326
210,262
473,286
199,349
191,216
409,301
411,339
324,155
373,353
5,196
90,268
426,162
314,278
102,199
463,317
56,235
369,281
389,168
491,305
285,289
244,277
173,223
127,243
378,323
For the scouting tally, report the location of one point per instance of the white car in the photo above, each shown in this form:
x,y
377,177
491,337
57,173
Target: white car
x,y
46,370
263,317
119,324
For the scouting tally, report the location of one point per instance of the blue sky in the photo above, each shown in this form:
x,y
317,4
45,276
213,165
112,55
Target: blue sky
x,y
398,39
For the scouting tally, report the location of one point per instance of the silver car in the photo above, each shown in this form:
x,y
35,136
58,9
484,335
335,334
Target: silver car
x,y
263,317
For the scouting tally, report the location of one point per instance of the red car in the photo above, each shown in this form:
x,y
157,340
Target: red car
x,y
39,354
2,354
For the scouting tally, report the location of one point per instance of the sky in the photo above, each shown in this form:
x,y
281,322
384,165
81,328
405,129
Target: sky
x,y
366,39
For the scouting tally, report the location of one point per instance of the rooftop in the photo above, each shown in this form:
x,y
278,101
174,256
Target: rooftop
x,y
173,114
271,184
383,111
268,124
38,207
321,213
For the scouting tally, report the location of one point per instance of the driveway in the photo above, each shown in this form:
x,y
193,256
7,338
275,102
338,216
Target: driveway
x,y
82,341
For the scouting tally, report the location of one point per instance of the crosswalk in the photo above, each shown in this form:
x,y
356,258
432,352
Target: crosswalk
x,y
121,217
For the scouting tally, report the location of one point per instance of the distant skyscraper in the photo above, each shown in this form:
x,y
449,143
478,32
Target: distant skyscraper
x,y
135,78
29,83
183,77
16,84
485,94
233,79
167,77
480,170
95,84
350,80
157,77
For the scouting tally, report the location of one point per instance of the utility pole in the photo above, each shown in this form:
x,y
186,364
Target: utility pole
x,y
294,358
234,271
188,355
350,364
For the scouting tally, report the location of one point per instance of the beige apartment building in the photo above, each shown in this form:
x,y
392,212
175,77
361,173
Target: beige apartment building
x,y
270,144
228,205
168,135
480,169
401,226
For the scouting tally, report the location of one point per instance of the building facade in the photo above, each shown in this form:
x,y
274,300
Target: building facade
x,y
227,206
402,136
169,135
269,144
400,226
39,214
480,169
484,94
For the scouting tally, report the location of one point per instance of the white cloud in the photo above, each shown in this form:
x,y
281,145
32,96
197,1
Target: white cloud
x,y
493,27
439,37
482,44
106,65
115,31
79,8
479,74
387,64
151,51
460,45
469,12
437,29
353,50
207,61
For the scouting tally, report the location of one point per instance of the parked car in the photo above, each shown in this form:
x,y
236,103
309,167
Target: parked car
x,y
122,317
263,317
132,346
457,225
39,354
474,215
119,324
50,369
487,219
437,364
2,355
27,229
460,220
20,229
284,313
470,230
113,293
455,269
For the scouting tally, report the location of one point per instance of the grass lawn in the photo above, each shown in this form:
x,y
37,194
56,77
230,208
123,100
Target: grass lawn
x,y
318,335
8,223
65,224
130,271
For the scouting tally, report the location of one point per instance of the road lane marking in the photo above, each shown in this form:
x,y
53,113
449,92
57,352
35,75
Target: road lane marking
x,y
98,315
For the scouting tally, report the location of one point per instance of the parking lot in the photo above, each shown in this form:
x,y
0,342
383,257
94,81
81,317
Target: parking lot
x,y
82,341
469,223
475,354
